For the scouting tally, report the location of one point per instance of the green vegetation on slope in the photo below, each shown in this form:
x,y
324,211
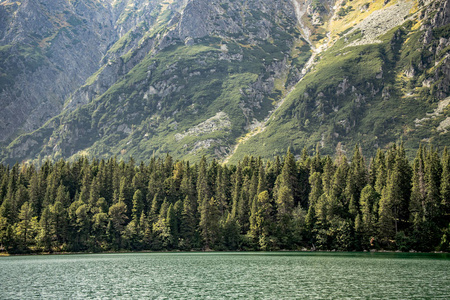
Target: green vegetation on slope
x,y
359,94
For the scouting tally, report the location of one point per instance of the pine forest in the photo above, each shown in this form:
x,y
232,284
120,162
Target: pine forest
x,y
288,203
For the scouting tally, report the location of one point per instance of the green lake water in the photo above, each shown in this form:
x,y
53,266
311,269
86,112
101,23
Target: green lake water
x,y
248,275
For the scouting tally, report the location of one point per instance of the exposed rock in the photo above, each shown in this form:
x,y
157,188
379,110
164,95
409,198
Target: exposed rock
x,y
189,41
410,73
342,87
437,112
444,125
220,121
124,128
69,51
386,93
364,7
201,145
428,36
380,21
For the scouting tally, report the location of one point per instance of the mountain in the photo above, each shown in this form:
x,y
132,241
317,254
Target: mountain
x,y
384,77
221,78
47,50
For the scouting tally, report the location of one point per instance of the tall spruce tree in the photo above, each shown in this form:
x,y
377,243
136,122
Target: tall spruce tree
x,y
445,185
27,225
433,173
209,223
418,191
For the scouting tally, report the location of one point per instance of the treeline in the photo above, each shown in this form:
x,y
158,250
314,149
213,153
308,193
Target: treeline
x,y
313,202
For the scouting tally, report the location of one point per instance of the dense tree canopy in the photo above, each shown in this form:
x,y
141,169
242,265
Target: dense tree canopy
x,y
313,202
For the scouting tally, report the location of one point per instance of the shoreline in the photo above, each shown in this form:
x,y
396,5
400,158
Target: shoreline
x,y
214,251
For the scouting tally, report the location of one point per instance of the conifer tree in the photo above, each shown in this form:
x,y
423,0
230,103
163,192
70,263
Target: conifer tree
x,y
59,222
188,222
338,188
163,210
221,190
45,230
83,224
117,213
243,208
99,227
27,226
264,220
155,184
418,191
327,176
310,220
154,209
63,196
126,194
83,196
138,206
4,178
231,233
390,155
253,231
203,189
273,170
356,180
104,181
445,185
372,172
94,195
172,223
288,176
253,188
8,210
405,171
139,183
20,197
369,210
315,180
145,231
187,186
209,220
178,210
237,183
381,173
316,161
433,173
168,166
211,172
262,181
53,182
386,218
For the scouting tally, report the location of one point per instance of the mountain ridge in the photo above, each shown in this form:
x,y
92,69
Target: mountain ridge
x,y
174,65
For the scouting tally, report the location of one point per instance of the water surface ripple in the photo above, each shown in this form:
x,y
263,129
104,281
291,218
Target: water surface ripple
x,y
274,275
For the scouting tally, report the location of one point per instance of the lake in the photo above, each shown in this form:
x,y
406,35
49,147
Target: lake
x,y
233,275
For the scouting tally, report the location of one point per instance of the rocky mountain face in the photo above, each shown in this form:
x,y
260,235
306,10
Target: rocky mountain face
x,y
220,78
47,50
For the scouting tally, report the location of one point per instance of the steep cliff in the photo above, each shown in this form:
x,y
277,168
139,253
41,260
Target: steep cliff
x,y
47,50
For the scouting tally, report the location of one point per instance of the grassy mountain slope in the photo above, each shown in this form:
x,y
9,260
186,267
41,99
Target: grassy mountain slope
x,y
368,90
